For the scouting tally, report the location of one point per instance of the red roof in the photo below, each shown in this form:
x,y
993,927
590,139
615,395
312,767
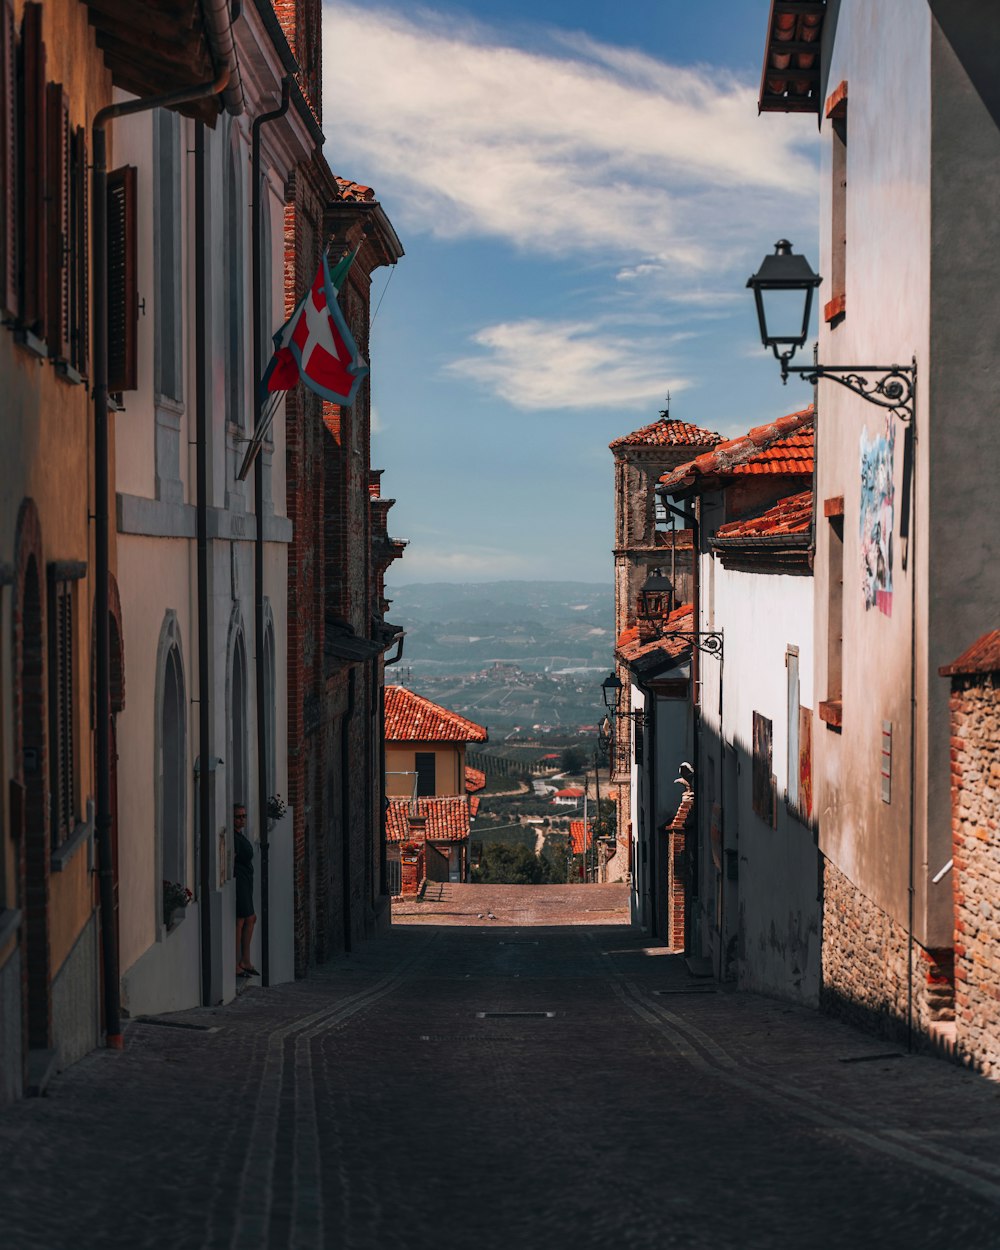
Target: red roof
x,y
792,515
629,647
581,836
410,717
571,792
354,191
474,801
982,657
668,433
447,819
474,779
781,446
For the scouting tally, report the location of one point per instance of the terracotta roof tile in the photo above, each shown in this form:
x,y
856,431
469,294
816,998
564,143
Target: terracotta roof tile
x,y
982,657
629,647
409,717
447,819
355,191
792,515
474,779
781,447
474,801
581,836
666,432
571,792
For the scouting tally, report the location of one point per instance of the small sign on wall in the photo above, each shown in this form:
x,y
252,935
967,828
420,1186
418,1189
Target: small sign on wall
x,y
886,768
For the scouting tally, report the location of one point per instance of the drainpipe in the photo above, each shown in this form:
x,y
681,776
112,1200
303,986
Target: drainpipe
x,y
99,209
345,806
694,861
911,882
383,858
258,546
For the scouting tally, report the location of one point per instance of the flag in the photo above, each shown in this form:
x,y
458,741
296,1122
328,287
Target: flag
x,y
315,344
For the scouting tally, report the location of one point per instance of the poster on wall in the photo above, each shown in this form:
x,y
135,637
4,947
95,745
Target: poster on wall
x,y
762,785
877,517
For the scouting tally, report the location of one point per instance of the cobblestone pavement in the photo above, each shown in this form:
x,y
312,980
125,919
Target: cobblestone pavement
x,y
613,1101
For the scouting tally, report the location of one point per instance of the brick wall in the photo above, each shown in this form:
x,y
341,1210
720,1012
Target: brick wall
x,y
865,965
975,764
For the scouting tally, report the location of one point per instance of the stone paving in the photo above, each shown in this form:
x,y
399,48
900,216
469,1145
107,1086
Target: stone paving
x,y
614,1100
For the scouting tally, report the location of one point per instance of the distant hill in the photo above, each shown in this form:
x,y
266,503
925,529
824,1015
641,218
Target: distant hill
x,y
538,626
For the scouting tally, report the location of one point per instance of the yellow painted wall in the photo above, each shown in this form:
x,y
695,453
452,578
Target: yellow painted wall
x,y
449,767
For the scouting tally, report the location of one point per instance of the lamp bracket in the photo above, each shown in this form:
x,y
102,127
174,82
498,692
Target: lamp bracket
x,y
707,640
894,388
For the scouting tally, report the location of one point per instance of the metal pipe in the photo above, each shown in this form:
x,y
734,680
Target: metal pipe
x,y
911,882
258,547
345,807
102,743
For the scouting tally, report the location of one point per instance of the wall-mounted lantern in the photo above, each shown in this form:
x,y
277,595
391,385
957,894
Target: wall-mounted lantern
x,y
656,598
611,689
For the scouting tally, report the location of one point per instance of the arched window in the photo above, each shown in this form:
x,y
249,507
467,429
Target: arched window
x,y
171,738
238,771
270,762
234,254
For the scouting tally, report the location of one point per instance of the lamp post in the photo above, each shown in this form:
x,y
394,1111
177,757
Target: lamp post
x,y
611,689
656,593
783,289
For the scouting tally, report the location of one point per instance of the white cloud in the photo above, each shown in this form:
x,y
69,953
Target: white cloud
x,y
534,364
429,563
583,147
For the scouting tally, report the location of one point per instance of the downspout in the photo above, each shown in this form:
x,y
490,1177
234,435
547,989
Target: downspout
x,y
345,806
99,208
911,883
258,546
694,861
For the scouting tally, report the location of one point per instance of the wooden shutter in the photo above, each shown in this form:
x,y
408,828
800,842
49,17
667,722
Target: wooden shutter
x,y
123,299
57,323
61,708
79,328
32,171
8,160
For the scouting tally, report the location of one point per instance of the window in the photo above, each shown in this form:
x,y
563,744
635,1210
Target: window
x,y
61,707
238,769
639,738
425,764
830,709
9,131
123,297
79,255
31,208
836,111
57,308
168,354
233,286
173,757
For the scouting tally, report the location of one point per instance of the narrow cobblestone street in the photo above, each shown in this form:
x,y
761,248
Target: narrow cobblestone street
x,y
504,1084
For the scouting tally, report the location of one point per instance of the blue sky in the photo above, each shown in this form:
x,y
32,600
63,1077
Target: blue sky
x,y
582,190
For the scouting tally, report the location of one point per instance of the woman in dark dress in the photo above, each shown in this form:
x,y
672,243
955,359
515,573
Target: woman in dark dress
x,y
243,871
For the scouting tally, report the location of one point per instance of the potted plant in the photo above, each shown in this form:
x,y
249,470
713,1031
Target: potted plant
x,y
175,900
276,808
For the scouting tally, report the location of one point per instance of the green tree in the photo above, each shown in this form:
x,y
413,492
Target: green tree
x,y
512,865
573,760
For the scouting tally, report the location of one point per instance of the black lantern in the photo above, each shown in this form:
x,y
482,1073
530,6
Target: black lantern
x,y
611,688
656,598
783,287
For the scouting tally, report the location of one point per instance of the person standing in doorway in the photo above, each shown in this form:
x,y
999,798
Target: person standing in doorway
x,y
243,870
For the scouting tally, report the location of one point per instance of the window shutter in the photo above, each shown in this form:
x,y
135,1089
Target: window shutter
x,y
8,156
123,299
57,213
61,708
32,170
79,328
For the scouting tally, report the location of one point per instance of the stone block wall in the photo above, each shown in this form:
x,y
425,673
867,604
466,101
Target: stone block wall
x,y
866,965
975,767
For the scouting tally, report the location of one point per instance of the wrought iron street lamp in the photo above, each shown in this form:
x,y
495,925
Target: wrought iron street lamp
x,y
783,289
611,689
656,598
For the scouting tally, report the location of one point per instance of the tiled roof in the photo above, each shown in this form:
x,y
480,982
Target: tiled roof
x,y
668,433
474,801
447,819
781,447
629,646
571,792
354,191
581,836
789,516
410,717
474,779
982,657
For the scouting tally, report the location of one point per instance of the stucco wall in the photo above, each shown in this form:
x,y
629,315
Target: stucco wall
x,y
449,767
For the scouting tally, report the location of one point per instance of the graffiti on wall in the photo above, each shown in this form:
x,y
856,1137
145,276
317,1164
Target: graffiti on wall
x,y
877,517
